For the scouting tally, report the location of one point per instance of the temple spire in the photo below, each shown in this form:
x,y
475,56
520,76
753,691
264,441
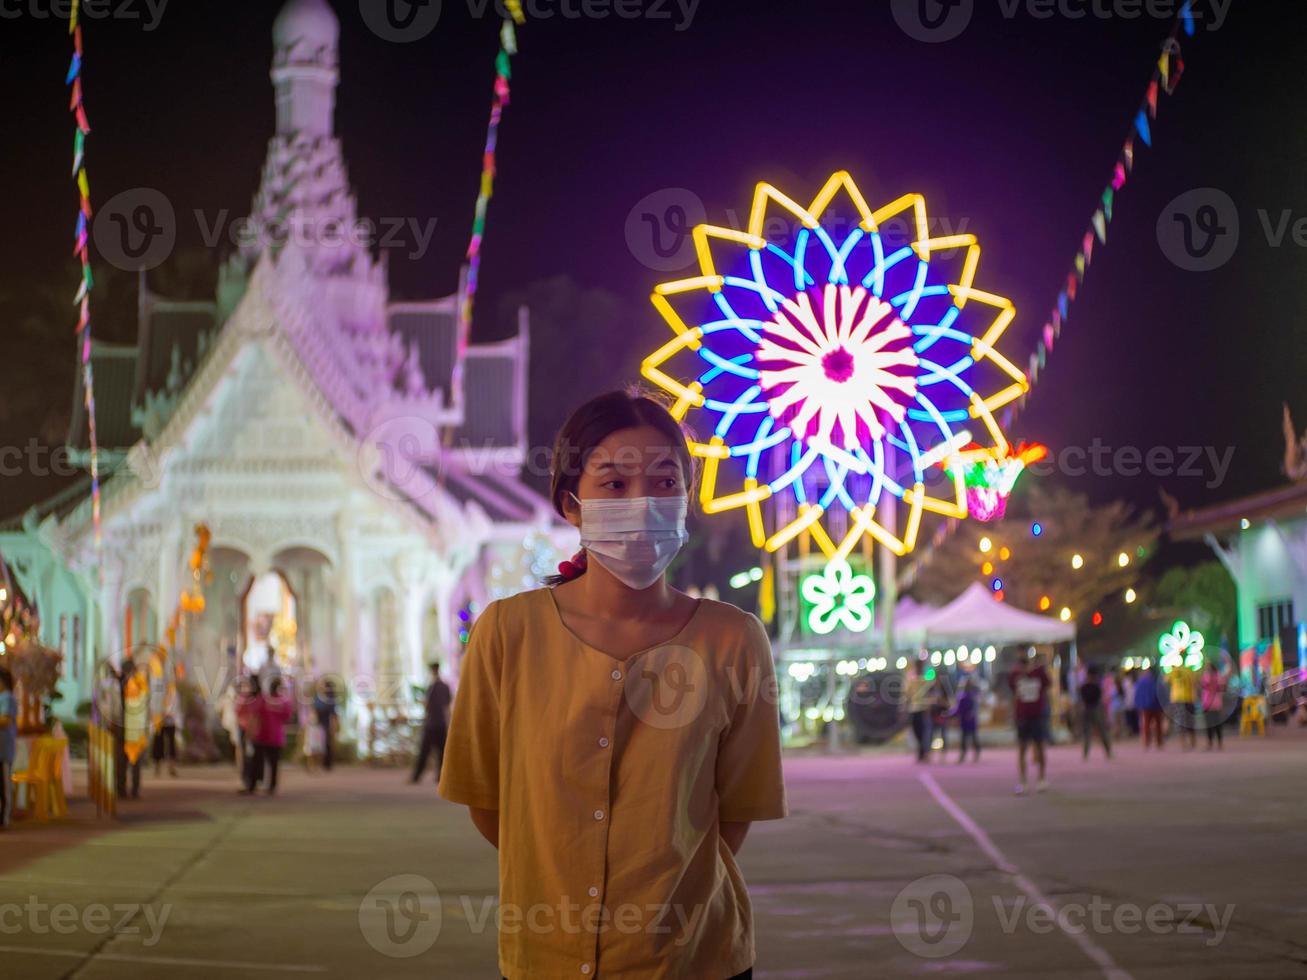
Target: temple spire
x,y
305,69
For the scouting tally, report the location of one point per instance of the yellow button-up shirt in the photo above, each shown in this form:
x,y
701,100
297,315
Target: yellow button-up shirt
x,y
611,778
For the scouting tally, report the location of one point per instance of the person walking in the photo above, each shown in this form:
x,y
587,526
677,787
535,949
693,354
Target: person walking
x,y
1148,702
8,744
1213,699
1128,682
920,696
324,707
435,724
164,711
1182,683
274,710
1030,685
1093,716
614,737
965,712
250,718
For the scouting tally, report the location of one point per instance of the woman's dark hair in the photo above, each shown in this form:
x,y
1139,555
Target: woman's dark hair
x,y
595,421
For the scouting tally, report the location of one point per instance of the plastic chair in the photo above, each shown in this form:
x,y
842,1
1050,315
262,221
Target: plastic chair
x,y
44,779
1253,715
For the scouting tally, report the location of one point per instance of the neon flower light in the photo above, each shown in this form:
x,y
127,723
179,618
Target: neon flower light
x,y
991,476
835,366
1182,647
839,598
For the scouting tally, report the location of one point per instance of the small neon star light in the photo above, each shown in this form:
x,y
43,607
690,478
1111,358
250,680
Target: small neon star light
x,y
839,598
835,366
1181,647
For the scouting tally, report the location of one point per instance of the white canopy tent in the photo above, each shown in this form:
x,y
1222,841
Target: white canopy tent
x,y
975,617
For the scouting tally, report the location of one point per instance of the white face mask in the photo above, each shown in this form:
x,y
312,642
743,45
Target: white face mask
x,y
635,538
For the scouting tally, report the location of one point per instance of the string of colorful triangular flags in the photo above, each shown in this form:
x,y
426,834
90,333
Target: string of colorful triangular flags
x,y
81,249
503,74
1165,78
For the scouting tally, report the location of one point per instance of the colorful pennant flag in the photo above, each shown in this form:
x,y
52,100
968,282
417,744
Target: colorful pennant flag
x,y
82,249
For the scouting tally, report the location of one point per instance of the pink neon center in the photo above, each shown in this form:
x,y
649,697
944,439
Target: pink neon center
x,y
838,365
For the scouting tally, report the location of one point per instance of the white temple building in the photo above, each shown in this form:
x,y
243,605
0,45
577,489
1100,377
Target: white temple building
x,y
358,464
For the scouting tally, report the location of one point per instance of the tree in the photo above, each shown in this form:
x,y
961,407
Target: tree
x,y
1044,566
1206,593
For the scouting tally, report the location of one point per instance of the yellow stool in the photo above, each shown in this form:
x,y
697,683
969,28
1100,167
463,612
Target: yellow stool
x,y
1253,715
44,777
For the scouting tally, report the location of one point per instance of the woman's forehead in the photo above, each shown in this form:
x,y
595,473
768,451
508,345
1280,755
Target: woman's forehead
x,y
637,450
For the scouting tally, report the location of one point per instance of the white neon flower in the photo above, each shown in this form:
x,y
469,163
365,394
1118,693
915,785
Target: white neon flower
x,y
839,598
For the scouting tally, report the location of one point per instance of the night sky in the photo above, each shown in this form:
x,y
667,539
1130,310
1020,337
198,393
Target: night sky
x,y
1013,127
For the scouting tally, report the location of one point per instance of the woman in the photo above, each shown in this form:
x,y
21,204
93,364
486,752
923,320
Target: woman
x,y
920,696
249,718
614,737
275,710
1213,695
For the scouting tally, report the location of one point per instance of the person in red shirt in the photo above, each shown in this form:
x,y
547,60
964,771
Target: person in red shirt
x,y
1030,683
274,710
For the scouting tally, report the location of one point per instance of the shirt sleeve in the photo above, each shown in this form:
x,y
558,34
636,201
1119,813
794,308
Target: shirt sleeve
x,y
469,773
750,783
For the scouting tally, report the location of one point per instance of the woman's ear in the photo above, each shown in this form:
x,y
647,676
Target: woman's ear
x,y
571,509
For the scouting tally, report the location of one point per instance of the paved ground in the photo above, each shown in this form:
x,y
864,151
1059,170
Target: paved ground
x,y
1161,865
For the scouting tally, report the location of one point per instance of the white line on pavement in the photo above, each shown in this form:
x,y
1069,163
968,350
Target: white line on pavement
x,y
170,960
1090,948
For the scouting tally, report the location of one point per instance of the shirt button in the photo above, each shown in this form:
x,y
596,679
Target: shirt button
x,y
617,675
594,892
585,968
603,743
599,814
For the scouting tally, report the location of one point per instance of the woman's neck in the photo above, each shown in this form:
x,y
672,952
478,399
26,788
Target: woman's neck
x,y
606,597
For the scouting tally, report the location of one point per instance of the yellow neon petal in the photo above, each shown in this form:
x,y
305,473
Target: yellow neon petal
x,y
827,194
1000,324
673,387
701,235
716,449
981,349
690,339
691,397
764,192
741,499
1009,394
914,520
808,515
914,201
710,283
